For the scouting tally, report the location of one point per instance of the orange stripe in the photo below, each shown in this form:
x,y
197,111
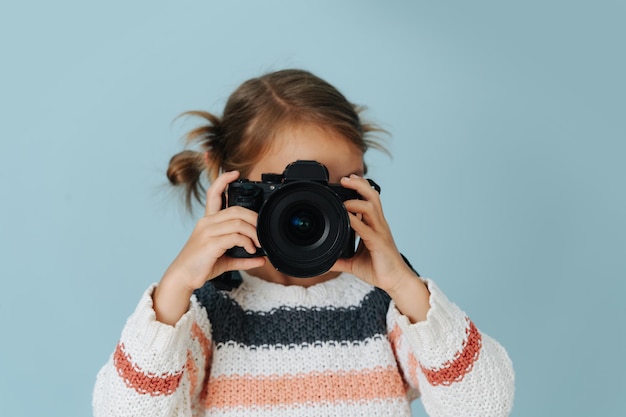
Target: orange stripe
x,y
204,342
317,387
413,365
192,371
394,338
463,362
143,382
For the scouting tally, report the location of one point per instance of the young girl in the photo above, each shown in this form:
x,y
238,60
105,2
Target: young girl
x,y
364,338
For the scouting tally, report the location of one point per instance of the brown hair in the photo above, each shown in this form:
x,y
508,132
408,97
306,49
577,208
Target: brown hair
x,y
254,113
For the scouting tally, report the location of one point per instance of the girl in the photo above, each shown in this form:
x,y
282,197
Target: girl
x,y
364,338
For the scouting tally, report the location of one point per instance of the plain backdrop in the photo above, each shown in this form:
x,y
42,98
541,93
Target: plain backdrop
x,y
507,181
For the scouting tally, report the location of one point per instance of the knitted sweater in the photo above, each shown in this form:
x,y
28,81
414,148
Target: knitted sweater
x,y
339,348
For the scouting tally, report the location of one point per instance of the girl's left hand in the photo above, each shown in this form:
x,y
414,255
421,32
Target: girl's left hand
x,y
377,260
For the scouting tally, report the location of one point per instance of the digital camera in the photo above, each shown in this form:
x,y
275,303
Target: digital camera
x,y
303,226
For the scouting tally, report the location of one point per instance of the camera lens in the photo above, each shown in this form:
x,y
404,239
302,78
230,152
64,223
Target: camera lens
x,y
304,228
301,223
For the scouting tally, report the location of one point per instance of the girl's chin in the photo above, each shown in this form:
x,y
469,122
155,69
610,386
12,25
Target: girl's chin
x,y
268,273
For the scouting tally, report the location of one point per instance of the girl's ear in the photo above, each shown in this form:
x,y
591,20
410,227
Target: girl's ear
x,y
206,158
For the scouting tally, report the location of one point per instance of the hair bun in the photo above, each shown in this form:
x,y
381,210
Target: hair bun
x,y
185,169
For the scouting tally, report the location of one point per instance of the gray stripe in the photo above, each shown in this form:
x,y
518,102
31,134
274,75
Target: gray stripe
x,y
287,326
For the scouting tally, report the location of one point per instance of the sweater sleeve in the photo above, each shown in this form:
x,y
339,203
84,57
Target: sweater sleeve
x,y
156,369
458,370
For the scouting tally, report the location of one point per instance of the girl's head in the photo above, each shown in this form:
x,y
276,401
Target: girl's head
x,y
262,116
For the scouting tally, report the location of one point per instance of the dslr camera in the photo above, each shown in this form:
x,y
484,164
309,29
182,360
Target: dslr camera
x,y
303,226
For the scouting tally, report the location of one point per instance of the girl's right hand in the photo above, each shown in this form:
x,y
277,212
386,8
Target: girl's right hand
x,y
203,256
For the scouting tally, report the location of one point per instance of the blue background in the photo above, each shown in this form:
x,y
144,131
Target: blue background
x,y
506,185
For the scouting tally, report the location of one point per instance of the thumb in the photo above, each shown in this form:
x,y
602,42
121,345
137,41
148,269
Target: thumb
x,y
243,264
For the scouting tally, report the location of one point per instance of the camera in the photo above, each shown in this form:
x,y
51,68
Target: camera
x,y
303,226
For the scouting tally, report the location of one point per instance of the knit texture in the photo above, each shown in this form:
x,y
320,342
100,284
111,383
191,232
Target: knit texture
x,y
339,348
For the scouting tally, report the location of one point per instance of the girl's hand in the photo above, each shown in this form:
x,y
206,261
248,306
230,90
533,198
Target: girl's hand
x,y
377,260
203,256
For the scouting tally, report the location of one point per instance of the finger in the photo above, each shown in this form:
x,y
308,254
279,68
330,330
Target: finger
x,y
242,241
361,186
216,191
360,206
235,226
362,229
232,213
220,244
369,212
243,264
238,218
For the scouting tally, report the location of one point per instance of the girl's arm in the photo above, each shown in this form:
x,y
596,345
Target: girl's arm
x,y
202,258
159,364
457,369
377,260
156,369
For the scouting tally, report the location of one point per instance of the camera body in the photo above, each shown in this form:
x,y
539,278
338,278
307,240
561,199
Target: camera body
x,y
303,226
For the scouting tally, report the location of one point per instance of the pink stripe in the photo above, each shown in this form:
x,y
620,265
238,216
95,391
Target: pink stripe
x,y
316,387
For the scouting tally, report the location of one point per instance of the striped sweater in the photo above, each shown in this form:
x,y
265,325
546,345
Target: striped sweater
x,y
339,348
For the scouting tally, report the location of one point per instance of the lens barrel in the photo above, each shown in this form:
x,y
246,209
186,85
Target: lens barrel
x,y
304,228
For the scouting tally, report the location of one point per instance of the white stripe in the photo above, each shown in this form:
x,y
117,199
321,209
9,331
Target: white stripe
x,y
328,356
258,295
391,408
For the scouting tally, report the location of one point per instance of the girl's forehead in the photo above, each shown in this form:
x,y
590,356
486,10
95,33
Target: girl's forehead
x,y
307,142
